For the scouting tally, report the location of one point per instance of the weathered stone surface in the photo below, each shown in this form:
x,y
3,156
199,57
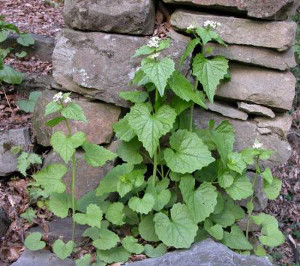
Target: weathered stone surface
x,y
226,110
261,86
34,82
259,56
98,129
256,109
280,125
278,35
130,17
43,46
245,134
260,200
270,9
87,177
206,252
100,65
13,137
41,257
264,131
61,228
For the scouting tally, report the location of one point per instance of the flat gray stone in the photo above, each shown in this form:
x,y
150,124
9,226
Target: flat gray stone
x,y
61,229
227,110
100,65
260,86
264,131
280,125
245,134
256,55
270,9
98,129
135,17
87,177
34,82
277,35
41,258
204,253
8,139
256,109
43,46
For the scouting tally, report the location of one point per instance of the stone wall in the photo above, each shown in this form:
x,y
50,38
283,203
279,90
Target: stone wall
x,y
93,58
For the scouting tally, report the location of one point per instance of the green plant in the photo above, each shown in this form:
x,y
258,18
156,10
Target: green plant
x,y
28,105
49,179
7,74
170,191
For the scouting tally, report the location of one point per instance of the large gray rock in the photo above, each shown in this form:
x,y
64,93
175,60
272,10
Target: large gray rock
x,y
270,9
279,125
131,17
87,177
256,109
261,86
227,110
98,129
256,55
245,134
204,253
43,46
61,229
8,139
41,257
100,65
34,82
278,35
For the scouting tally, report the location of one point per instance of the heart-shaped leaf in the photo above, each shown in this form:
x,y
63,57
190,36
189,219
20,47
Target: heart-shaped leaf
x,y
65,145
33,241
63,250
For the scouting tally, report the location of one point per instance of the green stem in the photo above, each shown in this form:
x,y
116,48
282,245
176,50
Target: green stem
x,y
73,182
192,107
257,171
73,195
154,168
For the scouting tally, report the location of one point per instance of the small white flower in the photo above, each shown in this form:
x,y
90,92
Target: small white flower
x,y
153,56
67,100
191,27
154,42
211,24
257,144
57,97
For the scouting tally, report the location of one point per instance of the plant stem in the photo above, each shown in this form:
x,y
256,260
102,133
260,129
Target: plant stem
x,y
5,95
192,107
257,171
154,168
73,183
73,195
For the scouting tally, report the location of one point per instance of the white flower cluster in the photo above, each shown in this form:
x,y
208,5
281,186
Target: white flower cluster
x,y
153,56
154,42
191,27
257,145
67,100
58,96
212,24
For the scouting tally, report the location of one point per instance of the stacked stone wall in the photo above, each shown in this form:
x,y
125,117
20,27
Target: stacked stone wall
x,y
93,58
